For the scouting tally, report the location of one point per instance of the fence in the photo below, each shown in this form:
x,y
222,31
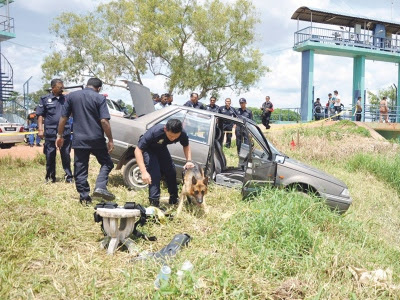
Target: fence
x,y
346,38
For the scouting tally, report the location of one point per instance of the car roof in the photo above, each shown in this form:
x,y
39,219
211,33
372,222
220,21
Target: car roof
x,y
159,113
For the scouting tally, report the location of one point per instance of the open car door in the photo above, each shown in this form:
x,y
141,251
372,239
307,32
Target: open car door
x,y
260,167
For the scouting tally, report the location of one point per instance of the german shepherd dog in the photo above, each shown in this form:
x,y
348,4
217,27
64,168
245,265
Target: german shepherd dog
x,y
194,188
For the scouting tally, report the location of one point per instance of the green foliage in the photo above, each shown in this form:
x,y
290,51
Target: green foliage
x,y
205,47
384,168
278,115
389,93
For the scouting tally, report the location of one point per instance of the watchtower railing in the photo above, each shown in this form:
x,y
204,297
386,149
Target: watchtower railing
x,y
7,24
346,38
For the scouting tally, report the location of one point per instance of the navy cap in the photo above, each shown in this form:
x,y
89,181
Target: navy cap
x,y
241,100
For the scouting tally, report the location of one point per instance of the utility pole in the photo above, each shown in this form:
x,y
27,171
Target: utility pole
x,y
26,93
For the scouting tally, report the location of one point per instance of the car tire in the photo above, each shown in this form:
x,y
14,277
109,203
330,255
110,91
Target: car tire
x,y
132,176
7,146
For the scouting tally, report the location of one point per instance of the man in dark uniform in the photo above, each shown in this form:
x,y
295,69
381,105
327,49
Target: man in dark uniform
x,y
49,109
154,159
241,136
91,122
227,125
267,108
212,106
194,102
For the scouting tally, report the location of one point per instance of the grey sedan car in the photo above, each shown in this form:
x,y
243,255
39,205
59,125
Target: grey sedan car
x,y
258,163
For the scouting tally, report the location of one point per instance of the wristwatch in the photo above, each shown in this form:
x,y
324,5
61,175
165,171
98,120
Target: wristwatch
x,y
59,135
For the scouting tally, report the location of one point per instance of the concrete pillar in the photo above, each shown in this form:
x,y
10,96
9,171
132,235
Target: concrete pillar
x,y
358,83
307,80
398,95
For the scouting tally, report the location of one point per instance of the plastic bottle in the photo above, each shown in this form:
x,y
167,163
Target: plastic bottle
x,y
163,276
187,267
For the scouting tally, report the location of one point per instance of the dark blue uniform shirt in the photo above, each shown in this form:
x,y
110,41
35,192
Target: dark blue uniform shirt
x,y
212,108
197,105
88,109
247,113
50,108
266,106
155,139
231,111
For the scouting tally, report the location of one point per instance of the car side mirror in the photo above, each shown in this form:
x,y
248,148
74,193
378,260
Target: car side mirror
x,y
279,159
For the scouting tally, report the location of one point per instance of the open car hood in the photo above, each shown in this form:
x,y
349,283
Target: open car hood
x,y
141,98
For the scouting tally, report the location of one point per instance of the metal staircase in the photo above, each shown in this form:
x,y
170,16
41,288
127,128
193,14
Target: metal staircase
x,y
6,78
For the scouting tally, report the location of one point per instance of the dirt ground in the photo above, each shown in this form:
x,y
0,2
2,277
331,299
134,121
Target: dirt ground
x,y
21,151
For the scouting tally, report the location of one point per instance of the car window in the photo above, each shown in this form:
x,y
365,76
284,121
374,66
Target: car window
x,y
117,107
259,142
180,115
109,103
257,150
197,126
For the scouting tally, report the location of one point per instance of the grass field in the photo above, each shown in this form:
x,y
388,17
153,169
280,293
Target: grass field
x,y
279,245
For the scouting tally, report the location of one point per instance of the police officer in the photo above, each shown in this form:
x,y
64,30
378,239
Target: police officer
x,y
228,110
267,108
194,102
91,122
241,135
212,106
49,109
154,159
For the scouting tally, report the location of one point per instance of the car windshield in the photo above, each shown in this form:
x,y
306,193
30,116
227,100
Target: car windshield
x,y
3,120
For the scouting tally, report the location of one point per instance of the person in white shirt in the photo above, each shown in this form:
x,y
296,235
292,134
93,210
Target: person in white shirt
x,y
163,102
337,104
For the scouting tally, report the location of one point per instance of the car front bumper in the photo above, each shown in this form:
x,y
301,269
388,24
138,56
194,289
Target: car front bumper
x,y
339,203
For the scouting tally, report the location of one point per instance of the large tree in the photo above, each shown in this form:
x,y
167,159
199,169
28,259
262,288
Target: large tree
x,y
205,47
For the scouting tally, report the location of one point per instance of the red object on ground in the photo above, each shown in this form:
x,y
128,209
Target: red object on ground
x,y
292,144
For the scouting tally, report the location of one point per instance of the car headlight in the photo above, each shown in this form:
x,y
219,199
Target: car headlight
x,y
345,193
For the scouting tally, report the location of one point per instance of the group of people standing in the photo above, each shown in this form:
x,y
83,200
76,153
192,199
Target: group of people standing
x,y
332,109
91,122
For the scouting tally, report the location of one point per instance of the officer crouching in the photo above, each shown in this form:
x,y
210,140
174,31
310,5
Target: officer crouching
x,y
154,159
49,109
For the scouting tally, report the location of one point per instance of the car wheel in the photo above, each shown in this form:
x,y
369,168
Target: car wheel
x,y
132,176
7,146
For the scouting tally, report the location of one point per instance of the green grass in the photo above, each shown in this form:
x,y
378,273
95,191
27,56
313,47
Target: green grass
x,y
331,133
256,249
384,168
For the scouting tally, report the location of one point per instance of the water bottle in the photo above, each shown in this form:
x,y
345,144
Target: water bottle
x,y
162,277
187,267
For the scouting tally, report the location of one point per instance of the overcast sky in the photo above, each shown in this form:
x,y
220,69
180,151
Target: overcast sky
x,y
275,39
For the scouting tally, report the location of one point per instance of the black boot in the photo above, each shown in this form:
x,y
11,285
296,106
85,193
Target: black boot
x,y
154,202
173,199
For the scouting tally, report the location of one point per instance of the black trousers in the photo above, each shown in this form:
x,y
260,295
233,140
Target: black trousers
x,y
265,120
358,116
241,138
226,127
160,163
50,151
81,168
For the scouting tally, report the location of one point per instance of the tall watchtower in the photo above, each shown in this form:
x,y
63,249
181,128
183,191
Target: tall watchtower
x,y
6,72
357,37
